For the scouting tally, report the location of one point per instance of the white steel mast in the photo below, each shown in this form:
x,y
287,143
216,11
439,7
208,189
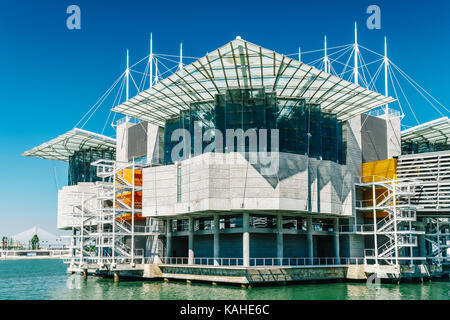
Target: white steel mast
x,y
151,60
180,65
386,64
127,74
325,58
355,70
299,54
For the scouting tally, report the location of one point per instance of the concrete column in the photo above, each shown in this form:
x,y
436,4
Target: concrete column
x,y
422,241
280,237
191,241
169,238
116,277
336,239
309,238
246,239
216,240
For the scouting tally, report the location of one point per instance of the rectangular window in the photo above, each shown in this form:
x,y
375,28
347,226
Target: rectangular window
x,y
178,183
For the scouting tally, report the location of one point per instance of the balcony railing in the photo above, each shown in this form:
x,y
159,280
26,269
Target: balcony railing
x,y
264,262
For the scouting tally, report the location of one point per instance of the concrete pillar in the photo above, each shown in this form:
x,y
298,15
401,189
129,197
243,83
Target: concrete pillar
x,y
280,237
246,239
191,241
216,240
309,238
336,239
169,238
422,241
116,276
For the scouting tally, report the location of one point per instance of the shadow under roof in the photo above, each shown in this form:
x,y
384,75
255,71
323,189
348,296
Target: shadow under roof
x,y
66,144
241,64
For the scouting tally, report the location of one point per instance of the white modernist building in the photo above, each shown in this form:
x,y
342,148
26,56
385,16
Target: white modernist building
x,y
133,202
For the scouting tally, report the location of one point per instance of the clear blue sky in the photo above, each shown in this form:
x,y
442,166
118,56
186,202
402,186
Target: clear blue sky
x,y
51,75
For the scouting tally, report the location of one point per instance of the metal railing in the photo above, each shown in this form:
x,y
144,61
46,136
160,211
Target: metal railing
x,y
263,262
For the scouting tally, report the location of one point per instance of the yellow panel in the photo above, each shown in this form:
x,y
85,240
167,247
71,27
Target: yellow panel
x,y
379,169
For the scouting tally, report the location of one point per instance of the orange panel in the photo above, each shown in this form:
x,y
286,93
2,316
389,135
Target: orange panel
x,y
127,174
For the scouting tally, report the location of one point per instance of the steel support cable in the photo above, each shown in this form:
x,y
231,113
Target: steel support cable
x,y
348,61
412,80
364,65
118,94
375,76
132,79
97,108
362,73
396,96
401,89
101,98
318,50
425,97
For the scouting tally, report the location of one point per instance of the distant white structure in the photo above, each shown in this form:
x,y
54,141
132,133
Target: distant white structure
x,y
46,239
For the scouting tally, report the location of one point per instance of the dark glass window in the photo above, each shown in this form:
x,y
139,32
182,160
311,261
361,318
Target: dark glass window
x,y
80,169
303,128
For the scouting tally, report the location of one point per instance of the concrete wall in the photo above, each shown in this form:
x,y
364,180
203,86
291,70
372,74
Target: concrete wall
x,y
228,182
137,140
381,137
140,140
69,197
374,138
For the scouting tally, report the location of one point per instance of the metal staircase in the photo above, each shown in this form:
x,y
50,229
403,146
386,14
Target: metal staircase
x,y
106,229
394,232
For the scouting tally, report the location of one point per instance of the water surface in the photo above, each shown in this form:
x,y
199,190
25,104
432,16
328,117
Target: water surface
x,y
47,279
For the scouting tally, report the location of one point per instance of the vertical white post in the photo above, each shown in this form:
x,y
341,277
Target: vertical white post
x,y
191,241
82,230
132,213
156,71
395,220
375,225
299,54
127,74
246,239
151,60
386,64
113,253
180,65
325,57
355,58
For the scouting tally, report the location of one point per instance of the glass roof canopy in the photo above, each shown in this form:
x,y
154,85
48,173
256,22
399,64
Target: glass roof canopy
x,y
434,131
241,64
63,146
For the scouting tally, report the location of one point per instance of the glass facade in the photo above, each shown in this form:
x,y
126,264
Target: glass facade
x,y
409,147
303,127
80,169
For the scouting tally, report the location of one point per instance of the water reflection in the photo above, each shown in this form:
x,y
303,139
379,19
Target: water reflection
x,y
105,289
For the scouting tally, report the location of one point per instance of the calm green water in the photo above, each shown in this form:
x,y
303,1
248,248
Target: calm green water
x,y
47,279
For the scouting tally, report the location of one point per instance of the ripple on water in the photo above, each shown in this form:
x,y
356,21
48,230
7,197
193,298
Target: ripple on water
x,y
47,279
